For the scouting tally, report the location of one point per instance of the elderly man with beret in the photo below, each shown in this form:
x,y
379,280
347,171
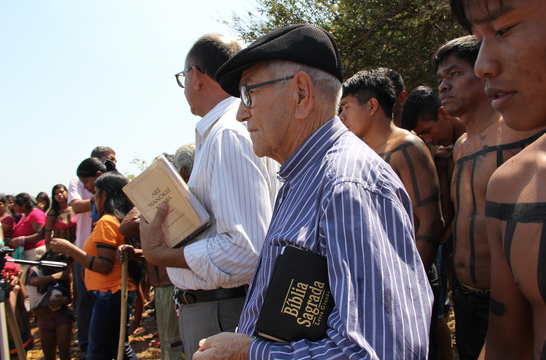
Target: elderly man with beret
x,y
339,200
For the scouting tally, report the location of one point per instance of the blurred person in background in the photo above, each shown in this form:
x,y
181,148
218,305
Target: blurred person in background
x,y
61,223
8,222
80,201
27,230
42,201
102,272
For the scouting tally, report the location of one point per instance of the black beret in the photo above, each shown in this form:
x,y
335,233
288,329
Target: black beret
x,y
301,43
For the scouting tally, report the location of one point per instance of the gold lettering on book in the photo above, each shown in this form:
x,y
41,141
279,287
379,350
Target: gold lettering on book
x,y
310,312
160,197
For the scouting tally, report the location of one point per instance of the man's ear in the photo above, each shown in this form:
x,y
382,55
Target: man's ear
x,y
442,114
305,93
373,105
403,96
199,78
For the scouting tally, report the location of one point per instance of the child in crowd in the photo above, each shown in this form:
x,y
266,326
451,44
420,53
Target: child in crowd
x,y
49,295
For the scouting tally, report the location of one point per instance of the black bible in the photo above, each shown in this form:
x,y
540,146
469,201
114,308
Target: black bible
x,y
298,300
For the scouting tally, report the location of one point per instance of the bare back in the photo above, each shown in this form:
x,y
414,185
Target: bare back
x,y
412,161
476,158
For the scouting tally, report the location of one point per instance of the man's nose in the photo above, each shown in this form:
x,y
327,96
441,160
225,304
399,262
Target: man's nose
x,y
243,113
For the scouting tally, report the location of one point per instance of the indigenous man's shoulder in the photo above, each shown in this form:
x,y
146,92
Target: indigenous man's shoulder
x,y
512,176
460,145
443,153
402,136
415,140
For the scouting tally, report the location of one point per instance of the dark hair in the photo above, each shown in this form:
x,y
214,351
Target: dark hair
x,y
90,166
368,84
100,151
24,199
116,203
43,196
458,11
211,51
3,200
396,79
423,101
49,255
55,204
6,199
465,48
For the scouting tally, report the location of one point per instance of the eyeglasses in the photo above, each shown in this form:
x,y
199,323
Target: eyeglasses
x,y
245,90
182,74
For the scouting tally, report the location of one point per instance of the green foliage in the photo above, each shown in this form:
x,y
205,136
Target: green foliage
x,y
140,163
398,34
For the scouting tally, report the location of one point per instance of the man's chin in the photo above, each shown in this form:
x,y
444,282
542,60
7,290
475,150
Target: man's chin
x,y
452,110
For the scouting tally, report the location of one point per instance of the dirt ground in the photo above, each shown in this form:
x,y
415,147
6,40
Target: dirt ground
x,y
143,339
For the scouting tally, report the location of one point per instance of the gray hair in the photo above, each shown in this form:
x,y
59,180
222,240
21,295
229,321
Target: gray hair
x,y
100,151
327,86
183,158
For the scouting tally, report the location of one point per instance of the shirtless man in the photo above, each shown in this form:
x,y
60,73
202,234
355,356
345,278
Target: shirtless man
x,y
424,114
511,61
477,154
366,104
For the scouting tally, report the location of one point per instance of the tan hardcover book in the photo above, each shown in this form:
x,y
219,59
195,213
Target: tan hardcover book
x,y
161,183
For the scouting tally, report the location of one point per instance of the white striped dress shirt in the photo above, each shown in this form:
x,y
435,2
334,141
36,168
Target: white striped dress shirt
x,y
238,189
341,200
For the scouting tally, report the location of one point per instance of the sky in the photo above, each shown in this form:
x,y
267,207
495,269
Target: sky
x,y
79,74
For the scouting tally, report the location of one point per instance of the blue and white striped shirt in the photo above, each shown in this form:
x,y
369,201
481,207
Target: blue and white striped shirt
x,y
341,200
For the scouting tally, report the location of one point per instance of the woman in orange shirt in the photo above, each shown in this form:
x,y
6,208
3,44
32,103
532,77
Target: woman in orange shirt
x,y
103,273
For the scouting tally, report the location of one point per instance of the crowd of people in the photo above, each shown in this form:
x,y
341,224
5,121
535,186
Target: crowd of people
x,y
410,197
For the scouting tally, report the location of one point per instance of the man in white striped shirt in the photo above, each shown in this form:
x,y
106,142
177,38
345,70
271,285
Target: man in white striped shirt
x,y
339,200
238,190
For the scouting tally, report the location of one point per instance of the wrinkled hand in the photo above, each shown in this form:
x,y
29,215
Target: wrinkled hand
x,y
60,245
151,234
125,250
224,346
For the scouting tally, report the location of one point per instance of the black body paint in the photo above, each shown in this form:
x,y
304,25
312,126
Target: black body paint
x,y
404,149
106,259
105,246
459,166
524,213
496,307
427,239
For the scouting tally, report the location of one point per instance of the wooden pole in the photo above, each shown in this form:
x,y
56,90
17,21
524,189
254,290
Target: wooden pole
x,y
123,319
4,348
16,335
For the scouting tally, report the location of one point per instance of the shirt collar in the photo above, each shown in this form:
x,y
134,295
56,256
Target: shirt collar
x,y
314,147
220,109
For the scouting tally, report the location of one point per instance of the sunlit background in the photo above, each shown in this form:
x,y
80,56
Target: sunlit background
x,y
78,74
